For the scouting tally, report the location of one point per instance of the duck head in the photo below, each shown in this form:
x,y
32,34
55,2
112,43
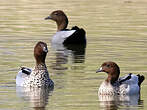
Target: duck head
x,y
60,18
40,51
112,69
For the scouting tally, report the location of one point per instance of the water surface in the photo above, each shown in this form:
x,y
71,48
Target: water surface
x,y
116,31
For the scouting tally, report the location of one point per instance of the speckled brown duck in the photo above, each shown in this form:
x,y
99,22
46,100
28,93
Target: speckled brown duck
x,y
39,76
113,85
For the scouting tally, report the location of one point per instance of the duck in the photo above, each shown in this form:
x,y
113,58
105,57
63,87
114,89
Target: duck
x,y
38,76
65,36
115,85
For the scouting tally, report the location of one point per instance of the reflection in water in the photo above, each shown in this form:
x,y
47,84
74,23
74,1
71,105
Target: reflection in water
x,y
37,97
78,52
114,102
116,31
67,53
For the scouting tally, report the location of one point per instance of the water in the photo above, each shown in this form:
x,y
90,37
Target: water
x,y
116,31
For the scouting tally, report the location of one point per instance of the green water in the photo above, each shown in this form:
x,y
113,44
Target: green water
x,y
116,31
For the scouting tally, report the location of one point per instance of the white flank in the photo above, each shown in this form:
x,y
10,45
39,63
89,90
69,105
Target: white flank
x,y
21,77
60,36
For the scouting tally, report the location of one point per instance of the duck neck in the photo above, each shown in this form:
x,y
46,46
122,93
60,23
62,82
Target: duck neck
x,y
41,66
40,60
112,77
62,25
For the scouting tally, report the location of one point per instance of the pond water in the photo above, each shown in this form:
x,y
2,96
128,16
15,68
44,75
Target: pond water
x,y
116,31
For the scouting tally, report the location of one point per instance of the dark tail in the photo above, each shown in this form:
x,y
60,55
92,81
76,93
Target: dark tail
x,y
140,79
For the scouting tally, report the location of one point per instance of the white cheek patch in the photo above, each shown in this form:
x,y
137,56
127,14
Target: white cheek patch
x,y
45,49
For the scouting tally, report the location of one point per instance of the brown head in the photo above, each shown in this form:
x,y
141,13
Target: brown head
x,y
40,51
112,69
60,18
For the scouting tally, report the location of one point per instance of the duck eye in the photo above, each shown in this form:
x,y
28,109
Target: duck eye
x,y
108,65
55,13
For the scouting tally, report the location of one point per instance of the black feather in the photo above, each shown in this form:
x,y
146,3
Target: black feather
x,y
78,37
26,70
127,78
140,79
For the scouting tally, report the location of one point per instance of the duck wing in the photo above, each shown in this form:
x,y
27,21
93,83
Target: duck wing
x,y
130,84
131,78
23,75
123,79
78,37
26,70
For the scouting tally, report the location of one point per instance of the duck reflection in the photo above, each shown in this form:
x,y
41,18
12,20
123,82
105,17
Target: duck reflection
x,y
115,102
67,54
78,52
37,97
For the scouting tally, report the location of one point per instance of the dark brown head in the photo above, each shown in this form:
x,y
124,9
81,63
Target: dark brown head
x,y
40,51
112,69
60,18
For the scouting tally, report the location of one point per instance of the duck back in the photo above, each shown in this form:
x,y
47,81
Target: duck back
x,y
78,37
131,85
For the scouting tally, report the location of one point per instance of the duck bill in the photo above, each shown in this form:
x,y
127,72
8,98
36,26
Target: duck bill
x,y
99,70
47,18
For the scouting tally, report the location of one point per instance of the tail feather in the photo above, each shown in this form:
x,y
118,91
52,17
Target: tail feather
x,y
140,79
